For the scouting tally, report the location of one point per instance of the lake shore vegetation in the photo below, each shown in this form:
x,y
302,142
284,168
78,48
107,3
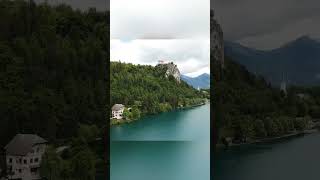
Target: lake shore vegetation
x,y
147,91
248,108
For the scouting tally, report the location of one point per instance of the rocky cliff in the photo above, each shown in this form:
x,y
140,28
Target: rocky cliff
x,y
171,69
216,41
217,68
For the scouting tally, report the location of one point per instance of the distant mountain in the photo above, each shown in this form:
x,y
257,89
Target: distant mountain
x,y
297,62
202,81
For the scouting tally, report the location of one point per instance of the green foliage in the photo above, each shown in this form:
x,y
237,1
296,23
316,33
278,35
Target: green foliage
x,y
83,165
51,164
259,129
52,69
88,132
247,106
301,123
77,162
53,77
126,114
135,112
146,89
164,107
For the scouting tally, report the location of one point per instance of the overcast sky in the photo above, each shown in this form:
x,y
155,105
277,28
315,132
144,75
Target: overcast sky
x,y
191,55
145,31
267,24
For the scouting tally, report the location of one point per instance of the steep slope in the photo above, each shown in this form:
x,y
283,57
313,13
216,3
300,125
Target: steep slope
x,y
202,81
297,62
216,41
170,69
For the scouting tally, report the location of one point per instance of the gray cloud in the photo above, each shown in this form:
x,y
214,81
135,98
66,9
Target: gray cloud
x,y
266,24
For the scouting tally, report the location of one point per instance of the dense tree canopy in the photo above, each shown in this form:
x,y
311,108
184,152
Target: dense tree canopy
x,y
147,88
53,69
54,82
76,162
245,105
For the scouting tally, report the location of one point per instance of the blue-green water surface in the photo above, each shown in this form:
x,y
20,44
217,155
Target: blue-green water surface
x,y
292,159
167,146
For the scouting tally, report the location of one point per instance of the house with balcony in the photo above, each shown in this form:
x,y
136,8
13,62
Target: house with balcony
x,y
23,156
117,111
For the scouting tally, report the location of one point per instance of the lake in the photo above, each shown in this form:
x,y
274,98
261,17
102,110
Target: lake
x,y
171,146
294,159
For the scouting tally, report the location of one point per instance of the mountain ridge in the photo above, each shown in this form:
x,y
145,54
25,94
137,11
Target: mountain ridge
x,y
202,81
297,62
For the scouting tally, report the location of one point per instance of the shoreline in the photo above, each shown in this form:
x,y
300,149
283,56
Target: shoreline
x,y
268,140
118,122
192,106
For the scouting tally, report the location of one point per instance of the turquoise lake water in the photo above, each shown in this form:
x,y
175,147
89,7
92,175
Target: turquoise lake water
x,y
167,146
293,159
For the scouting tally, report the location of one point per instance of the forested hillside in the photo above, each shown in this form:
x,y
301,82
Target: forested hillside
x,y
53,69
147,87
246,106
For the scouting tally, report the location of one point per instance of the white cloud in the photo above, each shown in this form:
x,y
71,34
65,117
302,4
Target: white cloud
x,y
145,31
163,19
205,69
192,56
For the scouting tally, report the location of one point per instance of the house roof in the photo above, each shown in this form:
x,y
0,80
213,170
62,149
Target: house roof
x,y
22,144
117,107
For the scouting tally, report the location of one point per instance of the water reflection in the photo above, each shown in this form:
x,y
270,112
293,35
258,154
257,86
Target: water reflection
x,y
293,159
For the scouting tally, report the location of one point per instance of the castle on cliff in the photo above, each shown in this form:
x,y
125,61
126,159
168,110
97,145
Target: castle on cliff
x,y
171,69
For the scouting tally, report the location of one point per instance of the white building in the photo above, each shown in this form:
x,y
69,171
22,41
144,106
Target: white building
x,y
23,156
283,87
117,111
